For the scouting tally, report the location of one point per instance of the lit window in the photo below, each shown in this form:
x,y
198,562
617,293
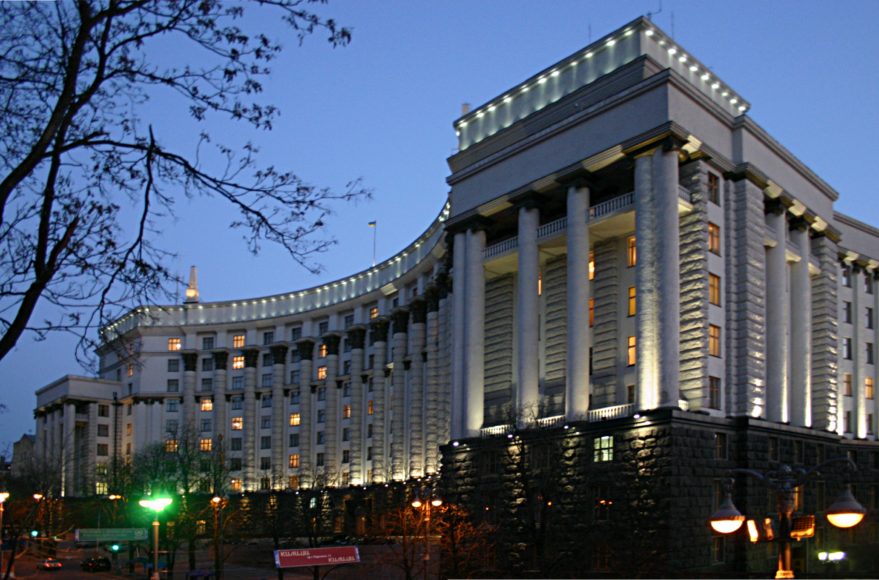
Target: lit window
x,y
321,373
714,289
295,419
714,385
868,387
373,312
235,484
322,352
713,340
238,341
175,344
205,444
602,449
130,370
847,384
370,407
238,362
592,265
293,482
631,351
721,450
207,405
237,423
540,283
294,460
346,412
633,308
631,251
713,189
714,238
602,503
591,312
171,446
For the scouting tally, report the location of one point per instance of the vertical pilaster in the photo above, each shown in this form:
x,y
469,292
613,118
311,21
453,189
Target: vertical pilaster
x,y
416,406
433,416
777,320
279,406
859,303
190,367
527,309
306,406
459,291
379,336
801,330
332,409
356,337
579,337
825,336
251,358
475,343
221,415
444,357
69,449
91,449
398,393
665,166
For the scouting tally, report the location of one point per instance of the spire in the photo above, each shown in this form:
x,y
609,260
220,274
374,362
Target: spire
x,y
192,287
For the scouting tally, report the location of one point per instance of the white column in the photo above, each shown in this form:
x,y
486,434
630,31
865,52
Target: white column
x,y
417,389
190,367
69,448
579,339
859,410
647,319
527,306
777,317
306,404
279,425
475,335
433,415
332,411
92,446
668,248
221,421
379,350
356,337
459,260
398,398
249,458
801,332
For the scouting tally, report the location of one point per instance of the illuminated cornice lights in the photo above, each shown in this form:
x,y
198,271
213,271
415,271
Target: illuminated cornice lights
x,y
541,80
715,86
610,42
555,73
588,54
648,32
672,51
706,77
682,58
693,68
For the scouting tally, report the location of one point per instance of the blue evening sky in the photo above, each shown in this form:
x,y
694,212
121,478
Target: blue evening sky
x,y
382,110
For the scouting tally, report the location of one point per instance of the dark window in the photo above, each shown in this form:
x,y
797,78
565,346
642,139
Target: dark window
x,y
713,189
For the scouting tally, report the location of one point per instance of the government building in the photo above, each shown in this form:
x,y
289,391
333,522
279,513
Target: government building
x,y
632,290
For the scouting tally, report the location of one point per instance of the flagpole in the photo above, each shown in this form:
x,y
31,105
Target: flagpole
x,y
374,225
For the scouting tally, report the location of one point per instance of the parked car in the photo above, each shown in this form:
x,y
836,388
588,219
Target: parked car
x,y
49,564
97,564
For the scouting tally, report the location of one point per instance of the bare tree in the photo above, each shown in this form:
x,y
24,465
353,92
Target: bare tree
x,y
87,182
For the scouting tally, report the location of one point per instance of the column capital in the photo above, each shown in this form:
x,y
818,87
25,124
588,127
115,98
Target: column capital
x,y
356,336
190,360
432,297
774,206
279,353
400,316
305,348
472,222
418,310
221,359
378,330
798,224
529,200
332,341
251,357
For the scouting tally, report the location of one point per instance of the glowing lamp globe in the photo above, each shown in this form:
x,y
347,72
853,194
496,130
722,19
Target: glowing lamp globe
x,y
845,512
727,519
156,504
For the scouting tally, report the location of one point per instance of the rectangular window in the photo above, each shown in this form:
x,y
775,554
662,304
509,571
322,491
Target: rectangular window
x,y
207,405
847,276
237,383
370,407
868,318
295,419
237,403
540,283
319,460
294,397
847,312
171,446
346,412
170,426
265,463
321,373
602,449
869,423
714,289
294,440
346,434
322,350
235,484
205,444
630,394
346,456
265,442
268,337
321,438
267,380
293,482
294,460
868,284
601,503
175,343
369,454
591,312
205,425
633,306
773,449
847,348
103,430
847,384
173,365
720,446
369,430
268,360
713,340
295,333
323,328
321,416
713,189
207,343
631,251
868,387
869,352
238,341
171,405
348,321
592,265
848,421
631,351
373,312
322,394
207,364
265,422
103,410
207,385
714,238
130,371
346,386
235,444
237,423
714,392
238,362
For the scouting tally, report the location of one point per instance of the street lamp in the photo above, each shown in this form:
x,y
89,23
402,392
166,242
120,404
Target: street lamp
x,y
157,504
434,502
845,512
217,503
4,495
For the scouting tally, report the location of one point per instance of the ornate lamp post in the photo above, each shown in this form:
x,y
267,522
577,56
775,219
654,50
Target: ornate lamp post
x,y
4,495
157,504
218,503
845,512
434,502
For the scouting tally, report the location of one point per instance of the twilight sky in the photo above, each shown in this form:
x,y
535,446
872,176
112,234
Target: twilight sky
x,y
382,110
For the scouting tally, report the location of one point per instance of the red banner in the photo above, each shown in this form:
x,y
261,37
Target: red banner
x,y
316,557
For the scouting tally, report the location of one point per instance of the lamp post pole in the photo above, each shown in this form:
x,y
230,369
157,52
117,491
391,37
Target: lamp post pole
x,y
157,505
4,495
217,504
426,512
845,512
